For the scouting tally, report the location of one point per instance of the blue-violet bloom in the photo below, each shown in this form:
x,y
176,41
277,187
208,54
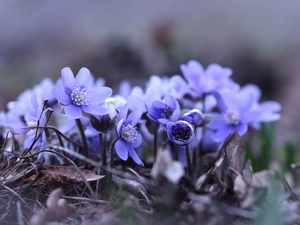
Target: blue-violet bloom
x,y
164,111
34,117
180,132
76,96
214,78
194,116
129,137
236,113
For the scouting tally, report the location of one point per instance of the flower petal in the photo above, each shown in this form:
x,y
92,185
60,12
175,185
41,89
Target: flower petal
x,y
137,103
223,133
133,118
94,109
242,129
138,140
99,94
61,96
83,78
123,112
217,121
135,156
73,111
121,149
251,116
68,80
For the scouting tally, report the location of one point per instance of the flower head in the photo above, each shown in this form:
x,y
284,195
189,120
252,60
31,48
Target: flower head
x,y
76,96
214,78
236,113
194,116
164,111
35,117
129,137
180,132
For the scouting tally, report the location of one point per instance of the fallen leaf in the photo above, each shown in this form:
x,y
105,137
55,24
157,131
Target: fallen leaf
x,y
235,150
64,175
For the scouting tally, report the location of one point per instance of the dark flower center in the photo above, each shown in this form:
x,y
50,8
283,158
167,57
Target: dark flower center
x,y
181,132
167,113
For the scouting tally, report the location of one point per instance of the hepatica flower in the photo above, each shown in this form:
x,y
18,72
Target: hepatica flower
x,y
214,78
129,137
164,111
34,117
194,116
76,96
180,132
236,113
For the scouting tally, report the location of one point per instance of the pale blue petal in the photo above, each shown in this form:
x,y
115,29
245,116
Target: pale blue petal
x,y
133,118
99,94
94,109
251,116
135,156
83,78
121,149
217,121
138,141
61,96
73,111
242,129
137,103
123,112
218,72
68,80
223,133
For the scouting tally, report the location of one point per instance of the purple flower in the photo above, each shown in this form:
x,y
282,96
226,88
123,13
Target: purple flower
x,y
129,137
76,96
194,116
269,108
214,78
164,111
180,132
236,113
34,117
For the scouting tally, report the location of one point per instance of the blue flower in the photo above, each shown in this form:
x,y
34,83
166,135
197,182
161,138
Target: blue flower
x,y
194,116
34,116
164,111
76,96
214,78
129,137
180,132
236,113
269,108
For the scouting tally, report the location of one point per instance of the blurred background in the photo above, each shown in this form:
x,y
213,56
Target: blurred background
x,y
133,39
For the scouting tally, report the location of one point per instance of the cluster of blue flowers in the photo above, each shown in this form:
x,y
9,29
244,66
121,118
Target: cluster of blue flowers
x,y
203,105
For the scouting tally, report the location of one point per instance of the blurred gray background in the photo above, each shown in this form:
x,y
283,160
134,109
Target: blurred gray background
x,y
133,39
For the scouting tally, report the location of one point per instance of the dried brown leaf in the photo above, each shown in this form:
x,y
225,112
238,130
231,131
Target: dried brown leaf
x,y
235,150
64,175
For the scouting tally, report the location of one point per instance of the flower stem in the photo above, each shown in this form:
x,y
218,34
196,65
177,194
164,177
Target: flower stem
x,y
103,138
188,160
112,152
155,128
84,141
